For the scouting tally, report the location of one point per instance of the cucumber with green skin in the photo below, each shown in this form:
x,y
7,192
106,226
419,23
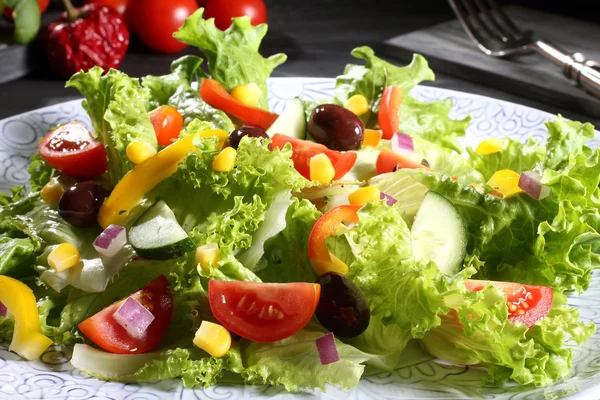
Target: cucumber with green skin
x,y
439,233
156,235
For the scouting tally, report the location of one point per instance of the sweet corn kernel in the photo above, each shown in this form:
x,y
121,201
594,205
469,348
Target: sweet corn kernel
x,y
213,338
362,196
372,137
249,94
63,257
138,152
219,133
225,160
52,191
358,104
321,169
489,146
335,265
206,255
505,182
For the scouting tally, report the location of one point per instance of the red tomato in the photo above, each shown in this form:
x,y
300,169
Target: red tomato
x,y
388,161
72,150
107,333
155,21
167,123
123,7
526,304
263,312
303,150
8,13
223,11
327,225
217,96
388,117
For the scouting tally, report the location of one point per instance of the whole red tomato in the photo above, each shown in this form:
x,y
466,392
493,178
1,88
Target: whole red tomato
x,y
8,13
155,21
222,11
123,7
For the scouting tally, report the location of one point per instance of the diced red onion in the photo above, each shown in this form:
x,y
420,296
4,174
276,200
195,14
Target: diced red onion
x,y
134,317
530,183
389,200
3,310
425,163
401,141
109,242
328,352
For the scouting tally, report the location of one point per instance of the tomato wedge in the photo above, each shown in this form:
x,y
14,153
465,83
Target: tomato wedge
x,y
326,225
167,123
72,150
388,117
526,303
303,151
263,312
107,333
217,96
389,161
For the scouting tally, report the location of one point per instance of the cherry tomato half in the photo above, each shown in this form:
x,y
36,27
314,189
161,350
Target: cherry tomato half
x,y
224,11
526,303
167,123
388,117
155,21
8,13
107,333
389,161
263,312
326,225
303,151
72,150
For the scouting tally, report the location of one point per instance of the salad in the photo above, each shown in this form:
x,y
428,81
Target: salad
x,y
195,234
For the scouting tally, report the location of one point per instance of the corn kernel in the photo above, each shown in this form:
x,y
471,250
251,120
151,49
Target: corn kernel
x,y
63,257
489,146
362,196
52,191
321,169
213,338
225,160
138,152
505,182
249,94
206,255
219,133
372,137
358,104
335,265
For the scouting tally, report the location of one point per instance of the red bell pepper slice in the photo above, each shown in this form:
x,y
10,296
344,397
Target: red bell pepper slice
x,y
303,151
326,226
217,96
388,117
388,160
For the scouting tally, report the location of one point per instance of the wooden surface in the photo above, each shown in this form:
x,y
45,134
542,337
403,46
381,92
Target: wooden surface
x,y
448,49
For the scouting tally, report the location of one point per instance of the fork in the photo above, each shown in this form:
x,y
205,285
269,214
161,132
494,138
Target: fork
x,y
498,36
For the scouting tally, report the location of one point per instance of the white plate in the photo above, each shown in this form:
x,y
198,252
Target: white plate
x,y
54,378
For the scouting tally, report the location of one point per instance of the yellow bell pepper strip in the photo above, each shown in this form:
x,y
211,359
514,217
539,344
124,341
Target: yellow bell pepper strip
x,y
130,190
28,340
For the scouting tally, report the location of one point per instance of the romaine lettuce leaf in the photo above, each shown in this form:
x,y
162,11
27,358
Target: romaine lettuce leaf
x,y
16,256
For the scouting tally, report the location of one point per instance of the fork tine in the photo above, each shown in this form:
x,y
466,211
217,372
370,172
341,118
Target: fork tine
x,y
501,31
474,15
463,17
517,33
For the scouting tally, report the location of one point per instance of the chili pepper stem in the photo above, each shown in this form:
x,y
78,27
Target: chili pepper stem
x,y
72,12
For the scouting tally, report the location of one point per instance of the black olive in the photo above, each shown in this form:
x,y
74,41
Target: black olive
x,y
336,127
79,205
236,136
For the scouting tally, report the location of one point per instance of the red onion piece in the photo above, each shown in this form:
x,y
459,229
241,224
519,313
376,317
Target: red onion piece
x,y
530,183
327,349
3,310
389,200
401,141
109,242
134,317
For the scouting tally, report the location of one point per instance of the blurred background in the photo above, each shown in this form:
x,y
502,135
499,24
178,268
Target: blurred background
x,y
317,36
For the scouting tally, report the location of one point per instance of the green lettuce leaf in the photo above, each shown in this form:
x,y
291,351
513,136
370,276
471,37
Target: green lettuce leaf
x,y
233,57
16,256
565,138
117,106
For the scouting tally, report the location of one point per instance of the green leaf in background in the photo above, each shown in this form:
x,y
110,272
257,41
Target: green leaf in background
x,y
566,137
116,105
233,57
26,14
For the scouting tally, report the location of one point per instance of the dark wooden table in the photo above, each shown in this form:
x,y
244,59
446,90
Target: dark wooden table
x,y
317,35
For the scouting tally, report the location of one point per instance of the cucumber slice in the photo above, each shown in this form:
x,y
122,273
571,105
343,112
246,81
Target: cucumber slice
x,y
439,233
156,235
291,122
